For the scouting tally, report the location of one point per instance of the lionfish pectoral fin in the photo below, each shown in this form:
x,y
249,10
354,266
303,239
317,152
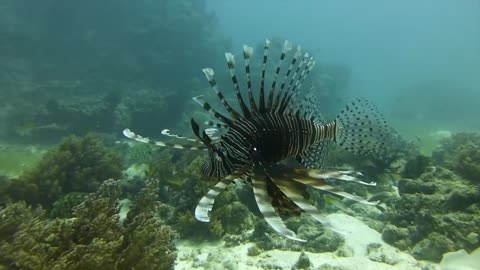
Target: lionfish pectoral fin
x,y
345,175
205,204
291,190
259,184
321,185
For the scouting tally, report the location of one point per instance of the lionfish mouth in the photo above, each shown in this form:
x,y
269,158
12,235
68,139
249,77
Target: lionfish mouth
x,y
278,128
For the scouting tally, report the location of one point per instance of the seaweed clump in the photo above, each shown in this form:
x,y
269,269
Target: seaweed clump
x,y
77,164
461,154
95,238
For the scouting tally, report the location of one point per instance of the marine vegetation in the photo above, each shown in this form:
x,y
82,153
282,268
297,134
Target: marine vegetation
x,y
94,238
461,154
250,144
77,164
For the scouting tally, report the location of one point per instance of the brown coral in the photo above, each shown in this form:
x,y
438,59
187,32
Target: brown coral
x,y
77,164
461,153
93,239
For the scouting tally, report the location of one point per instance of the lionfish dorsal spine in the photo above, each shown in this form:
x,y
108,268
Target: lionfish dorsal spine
x,y
216,125
291,84
199,100
231,68
209,74
204,137
305,66
266,48
287,46
247,53
305,72
297,54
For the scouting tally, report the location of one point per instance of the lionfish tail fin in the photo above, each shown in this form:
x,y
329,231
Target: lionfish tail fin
x,y
259,183
361,128
194,145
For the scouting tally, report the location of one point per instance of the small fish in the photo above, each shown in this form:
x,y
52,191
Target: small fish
x,y
257,138
27,128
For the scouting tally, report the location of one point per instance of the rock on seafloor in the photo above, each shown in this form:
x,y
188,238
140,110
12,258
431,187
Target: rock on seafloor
x,y
367,251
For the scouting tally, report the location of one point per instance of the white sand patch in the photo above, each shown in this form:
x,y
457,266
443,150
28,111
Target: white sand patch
x,y
358,237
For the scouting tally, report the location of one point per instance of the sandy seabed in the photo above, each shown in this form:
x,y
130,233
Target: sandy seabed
x,y
358,237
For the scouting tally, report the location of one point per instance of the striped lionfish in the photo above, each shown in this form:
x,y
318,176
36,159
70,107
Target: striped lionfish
x,y
259,137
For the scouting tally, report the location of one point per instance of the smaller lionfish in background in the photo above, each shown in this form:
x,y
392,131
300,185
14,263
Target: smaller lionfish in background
x,y
259,137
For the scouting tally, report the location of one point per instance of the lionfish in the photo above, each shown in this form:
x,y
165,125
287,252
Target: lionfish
x,y
256,140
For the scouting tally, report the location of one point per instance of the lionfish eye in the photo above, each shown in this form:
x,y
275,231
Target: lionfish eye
x,y
217,156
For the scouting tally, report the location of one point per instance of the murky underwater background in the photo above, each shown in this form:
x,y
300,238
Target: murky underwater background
x,y
76,194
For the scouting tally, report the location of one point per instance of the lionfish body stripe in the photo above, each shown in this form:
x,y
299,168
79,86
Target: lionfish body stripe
x,y
257,138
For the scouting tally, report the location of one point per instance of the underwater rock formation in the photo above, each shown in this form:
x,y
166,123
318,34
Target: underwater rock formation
x,y
434,214
461,154
77,164
93,239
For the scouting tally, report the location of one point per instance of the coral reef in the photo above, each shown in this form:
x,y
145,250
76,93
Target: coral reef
x,y
93,239
75,165
434,214
461,154
416,166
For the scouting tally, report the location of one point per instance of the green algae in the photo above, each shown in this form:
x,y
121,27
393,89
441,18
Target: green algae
x,y
16,159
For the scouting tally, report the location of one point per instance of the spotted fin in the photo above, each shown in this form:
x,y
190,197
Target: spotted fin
x,y
315,157
361,128
259,183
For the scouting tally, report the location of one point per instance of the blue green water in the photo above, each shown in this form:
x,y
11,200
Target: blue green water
x,y
105,201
